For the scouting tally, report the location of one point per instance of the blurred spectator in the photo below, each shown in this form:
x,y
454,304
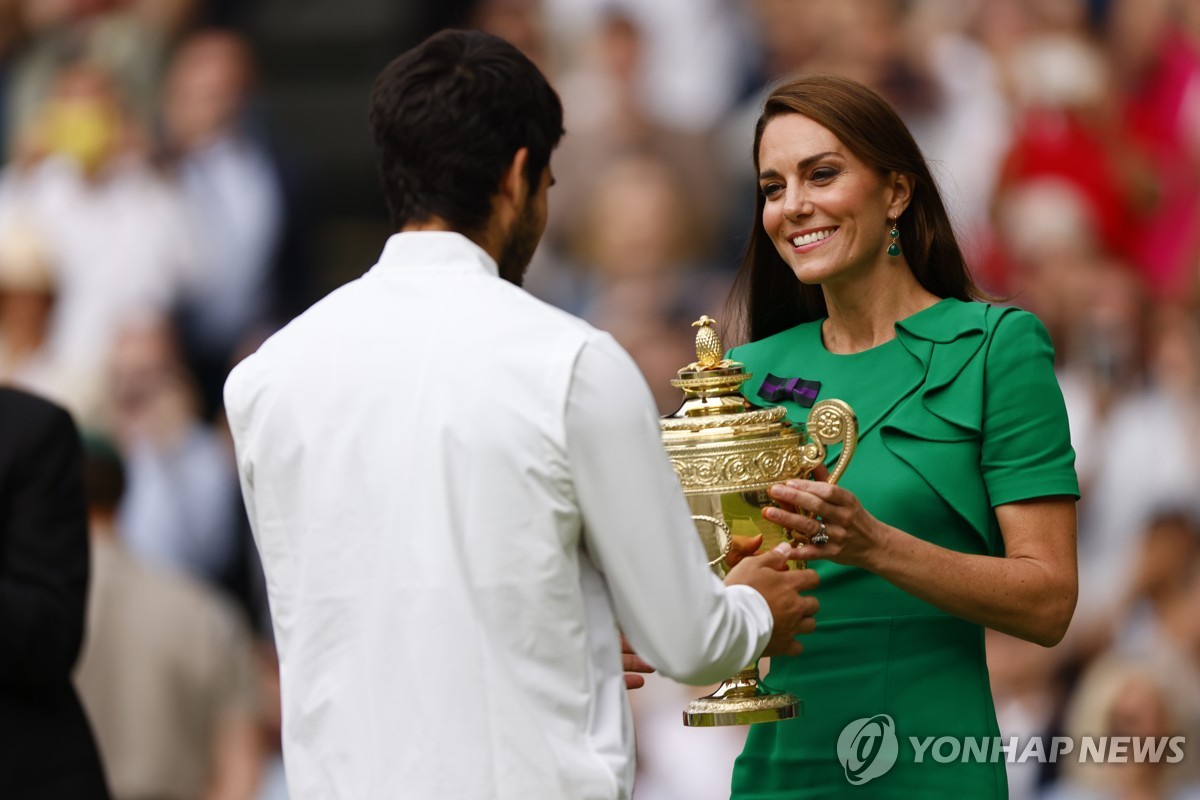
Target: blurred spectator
x,y
519,22
117,230
168,674
789,34
1168,558
1051,253
607,119
180,509
28,290
274,783
10,27
1156,45
11,33
128,39
1065,131
46,747
1103,345
866,40
694,62
26,301
1172,627
637,240
966,128
233,196
1121,697
1162,423
1029,692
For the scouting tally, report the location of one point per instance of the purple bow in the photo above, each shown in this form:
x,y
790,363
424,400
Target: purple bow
x,y
799,391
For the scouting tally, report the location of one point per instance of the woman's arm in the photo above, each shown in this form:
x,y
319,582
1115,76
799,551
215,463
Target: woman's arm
x,y
1030,592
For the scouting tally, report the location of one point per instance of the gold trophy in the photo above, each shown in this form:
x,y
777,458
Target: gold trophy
x,y
727,452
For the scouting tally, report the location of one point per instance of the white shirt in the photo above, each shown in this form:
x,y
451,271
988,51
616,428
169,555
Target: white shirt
x,y
459,493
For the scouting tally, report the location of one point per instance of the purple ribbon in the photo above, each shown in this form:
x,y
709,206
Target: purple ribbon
x,y
801,392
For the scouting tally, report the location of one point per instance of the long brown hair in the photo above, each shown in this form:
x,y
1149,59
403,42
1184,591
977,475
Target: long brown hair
x,y
766,297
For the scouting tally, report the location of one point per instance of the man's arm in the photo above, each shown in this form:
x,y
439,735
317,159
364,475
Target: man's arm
x,y
43,533
672,608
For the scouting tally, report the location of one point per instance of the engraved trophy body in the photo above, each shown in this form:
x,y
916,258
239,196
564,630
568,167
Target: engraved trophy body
x,y
727,452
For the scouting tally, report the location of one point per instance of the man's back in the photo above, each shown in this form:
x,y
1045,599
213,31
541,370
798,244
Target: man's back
x,y
422,534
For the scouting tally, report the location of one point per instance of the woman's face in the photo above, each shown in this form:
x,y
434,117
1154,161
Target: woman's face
x,y
825,210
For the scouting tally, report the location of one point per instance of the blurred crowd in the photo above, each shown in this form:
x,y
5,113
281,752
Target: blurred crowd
x,y
144,218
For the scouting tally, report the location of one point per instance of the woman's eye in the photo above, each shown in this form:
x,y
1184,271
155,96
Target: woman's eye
x,y
824,174
771,189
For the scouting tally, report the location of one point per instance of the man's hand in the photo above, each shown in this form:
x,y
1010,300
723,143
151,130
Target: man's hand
x,y
741,547
632,663
768,574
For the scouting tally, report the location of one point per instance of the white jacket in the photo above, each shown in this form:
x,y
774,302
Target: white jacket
x,y
459,493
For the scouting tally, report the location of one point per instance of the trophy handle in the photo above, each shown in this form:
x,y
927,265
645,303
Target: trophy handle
x,y
832,421
725,536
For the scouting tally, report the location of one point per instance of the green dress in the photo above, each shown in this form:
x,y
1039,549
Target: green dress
x,y
959,413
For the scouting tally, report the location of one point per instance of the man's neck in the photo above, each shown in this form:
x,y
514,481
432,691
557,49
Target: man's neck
x,y
436,223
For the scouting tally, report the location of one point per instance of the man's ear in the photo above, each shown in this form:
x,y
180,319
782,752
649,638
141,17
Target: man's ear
x,y
514,188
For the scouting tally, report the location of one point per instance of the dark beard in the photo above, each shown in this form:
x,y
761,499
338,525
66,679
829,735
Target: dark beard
x,y
520,245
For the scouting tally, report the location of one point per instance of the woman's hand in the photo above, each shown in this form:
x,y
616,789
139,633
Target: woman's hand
x,y
1029,592
806,505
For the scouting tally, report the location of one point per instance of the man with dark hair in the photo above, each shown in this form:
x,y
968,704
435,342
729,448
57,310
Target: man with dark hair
x,y
448,117
459,493
46,746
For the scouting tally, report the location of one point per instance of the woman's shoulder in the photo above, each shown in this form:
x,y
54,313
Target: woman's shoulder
x,y
789,340
951,319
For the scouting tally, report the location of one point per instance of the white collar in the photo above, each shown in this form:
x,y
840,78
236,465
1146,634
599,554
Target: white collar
x,y
428,251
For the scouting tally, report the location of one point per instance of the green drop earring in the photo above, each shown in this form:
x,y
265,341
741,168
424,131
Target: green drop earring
x,y
894,248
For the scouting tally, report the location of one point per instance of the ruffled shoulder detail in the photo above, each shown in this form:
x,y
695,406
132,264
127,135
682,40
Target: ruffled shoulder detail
x,y
946,407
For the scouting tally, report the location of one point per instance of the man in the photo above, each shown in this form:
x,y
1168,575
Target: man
x,y
459,492
168,673
46,747
232,188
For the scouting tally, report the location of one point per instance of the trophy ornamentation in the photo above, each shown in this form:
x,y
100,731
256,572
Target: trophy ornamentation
x,y
727,452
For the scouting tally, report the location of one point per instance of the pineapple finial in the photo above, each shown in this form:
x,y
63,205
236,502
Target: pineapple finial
x,y
708,345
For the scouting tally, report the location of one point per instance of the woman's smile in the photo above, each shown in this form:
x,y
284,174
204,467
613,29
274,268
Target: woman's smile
x,y
805,241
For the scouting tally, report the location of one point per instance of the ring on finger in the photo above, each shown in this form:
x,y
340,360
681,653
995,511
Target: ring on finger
x,y
820,537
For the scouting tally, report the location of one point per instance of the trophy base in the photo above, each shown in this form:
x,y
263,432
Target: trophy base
x,y
765,706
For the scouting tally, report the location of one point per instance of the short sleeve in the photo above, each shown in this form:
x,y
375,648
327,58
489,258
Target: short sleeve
x,y
1026,451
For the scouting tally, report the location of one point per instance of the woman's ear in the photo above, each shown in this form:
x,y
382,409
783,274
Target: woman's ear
x,y
901,184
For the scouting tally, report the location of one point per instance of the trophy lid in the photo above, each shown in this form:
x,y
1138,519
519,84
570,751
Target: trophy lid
x,y
711,373
713,404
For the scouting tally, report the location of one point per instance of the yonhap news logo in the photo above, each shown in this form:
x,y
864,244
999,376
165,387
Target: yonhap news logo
x,y
869,747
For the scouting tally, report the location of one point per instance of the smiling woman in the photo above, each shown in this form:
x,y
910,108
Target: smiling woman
x,y
826,211
958,512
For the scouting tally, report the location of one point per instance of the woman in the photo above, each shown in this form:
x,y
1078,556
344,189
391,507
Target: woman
x,y
957,512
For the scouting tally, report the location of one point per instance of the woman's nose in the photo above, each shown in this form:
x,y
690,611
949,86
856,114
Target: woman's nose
x,y
796,203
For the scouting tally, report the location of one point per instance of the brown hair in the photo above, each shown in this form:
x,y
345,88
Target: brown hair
x,y
766,297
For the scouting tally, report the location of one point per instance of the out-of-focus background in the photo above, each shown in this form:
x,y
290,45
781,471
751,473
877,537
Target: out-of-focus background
x,y
181,177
